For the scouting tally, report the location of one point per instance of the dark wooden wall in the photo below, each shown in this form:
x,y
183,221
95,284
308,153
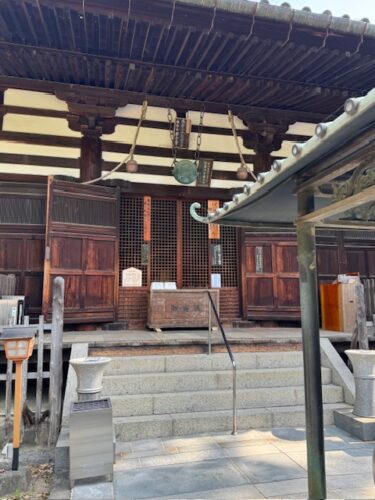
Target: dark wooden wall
x,y
270,289
22,227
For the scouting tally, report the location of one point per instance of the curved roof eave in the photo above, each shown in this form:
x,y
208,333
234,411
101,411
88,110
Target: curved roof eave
x,y
264,10
347,126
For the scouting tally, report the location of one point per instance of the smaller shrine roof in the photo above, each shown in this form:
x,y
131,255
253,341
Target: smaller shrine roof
x,y
271,199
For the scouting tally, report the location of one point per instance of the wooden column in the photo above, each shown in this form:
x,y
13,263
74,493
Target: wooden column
x,y
92,114
264,138
91,156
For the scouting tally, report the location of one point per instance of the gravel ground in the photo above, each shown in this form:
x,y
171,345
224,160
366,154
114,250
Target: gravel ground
x,y
195,349
40,463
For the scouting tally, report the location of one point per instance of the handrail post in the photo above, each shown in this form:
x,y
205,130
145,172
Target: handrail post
x,y
209,325
234,430
234,368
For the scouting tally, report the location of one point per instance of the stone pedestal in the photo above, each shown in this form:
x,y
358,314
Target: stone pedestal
x,y
361,427
363,362
89,376
360,421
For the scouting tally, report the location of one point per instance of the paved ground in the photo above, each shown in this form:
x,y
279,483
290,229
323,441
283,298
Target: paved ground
x,y
254,464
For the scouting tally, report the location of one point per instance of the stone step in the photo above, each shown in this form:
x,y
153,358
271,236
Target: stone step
x,y
181,424
149,383
199,362
184,402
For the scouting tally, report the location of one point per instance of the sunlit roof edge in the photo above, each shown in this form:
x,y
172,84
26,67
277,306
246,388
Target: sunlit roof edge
x,y
359,113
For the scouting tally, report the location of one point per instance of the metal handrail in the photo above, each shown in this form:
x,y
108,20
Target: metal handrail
x,y
234,367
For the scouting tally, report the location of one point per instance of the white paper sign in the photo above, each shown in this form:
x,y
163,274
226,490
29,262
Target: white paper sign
x,y
215,280
132,277
170,285
156,285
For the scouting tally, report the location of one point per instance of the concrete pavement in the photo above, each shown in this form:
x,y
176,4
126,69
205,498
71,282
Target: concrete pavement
x,y
255,464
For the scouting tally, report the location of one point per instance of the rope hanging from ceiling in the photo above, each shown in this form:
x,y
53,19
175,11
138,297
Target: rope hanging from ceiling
x,y
130,156
244,165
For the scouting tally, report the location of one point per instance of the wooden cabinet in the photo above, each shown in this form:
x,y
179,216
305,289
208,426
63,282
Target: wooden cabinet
x,y
180,308
338,307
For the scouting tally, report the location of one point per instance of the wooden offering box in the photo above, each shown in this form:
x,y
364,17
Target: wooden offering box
x,y
180,308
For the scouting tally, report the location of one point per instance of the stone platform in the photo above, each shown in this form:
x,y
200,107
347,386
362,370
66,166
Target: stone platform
x,y
361,427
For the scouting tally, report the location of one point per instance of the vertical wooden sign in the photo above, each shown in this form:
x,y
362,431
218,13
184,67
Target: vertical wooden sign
x,y
213,229
147,218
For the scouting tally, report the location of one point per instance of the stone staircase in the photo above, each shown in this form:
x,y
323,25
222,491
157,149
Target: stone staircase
x,y
173,395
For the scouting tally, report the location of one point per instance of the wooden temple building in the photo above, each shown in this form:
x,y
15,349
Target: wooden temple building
x,y
74,80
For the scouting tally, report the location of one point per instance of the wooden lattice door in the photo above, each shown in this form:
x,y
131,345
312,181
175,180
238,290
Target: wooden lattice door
x,y
81,246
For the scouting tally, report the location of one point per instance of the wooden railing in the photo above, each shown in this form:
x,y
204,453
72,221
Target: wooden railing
x,y
34,418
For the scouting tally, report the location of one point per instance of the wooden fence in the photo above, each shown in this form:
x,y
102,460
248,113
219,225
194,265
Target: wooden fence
x,y
54,374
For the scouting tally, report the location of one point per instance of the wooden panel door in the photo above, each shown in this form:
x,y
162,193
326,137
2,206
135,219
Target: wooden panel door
x,y
82,247
22,228
287,279
271,279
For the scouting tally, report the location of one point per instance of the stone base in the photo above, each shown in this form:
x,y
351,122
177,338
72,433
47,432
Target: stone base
x,y
361,427
13,481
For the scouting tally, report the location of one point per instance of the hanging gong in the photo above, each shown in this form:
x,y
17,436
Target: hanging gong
x,y
184,171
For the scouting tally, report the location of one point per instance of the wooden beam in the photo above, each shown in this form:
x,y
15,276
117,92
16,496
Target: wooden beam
x,y
356,200
133,122
261,112
296,90
340,162
54,161
347,224
116,147
190,13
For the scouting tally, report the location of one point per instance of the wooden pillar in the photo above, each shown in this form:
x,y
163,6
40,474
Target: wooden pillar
x,y
91,156
92,113
264,138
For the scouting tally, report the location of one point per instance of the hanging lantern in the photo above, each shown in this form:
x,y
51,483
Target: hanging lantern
x,y
132,166
242,173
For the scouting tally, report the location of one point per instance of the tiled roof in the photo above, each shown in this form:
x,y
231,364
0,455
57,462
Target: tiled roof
x,y
285,13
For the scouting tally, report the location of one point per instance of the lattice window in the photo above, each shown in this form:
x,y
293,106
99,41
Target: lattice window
x,y
195,268
163,240
131,235
82,211
229,257
22,210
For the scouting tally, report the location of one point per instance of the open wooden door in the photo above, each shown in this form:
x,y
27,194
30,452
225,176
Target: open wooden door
x,y
82,247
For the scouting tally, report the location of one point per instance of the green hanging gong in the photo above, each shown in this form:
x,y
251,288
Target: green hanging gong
x,y
184,171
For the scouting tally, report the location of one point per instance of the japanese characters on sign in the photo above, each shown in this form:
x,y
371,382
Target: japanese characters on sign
x,y
131,277
213,229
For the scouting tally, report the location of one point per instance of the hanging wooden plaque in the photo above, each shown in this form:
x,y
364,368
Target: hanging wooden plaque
x,y
182,129
205,167
147,218
213,229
